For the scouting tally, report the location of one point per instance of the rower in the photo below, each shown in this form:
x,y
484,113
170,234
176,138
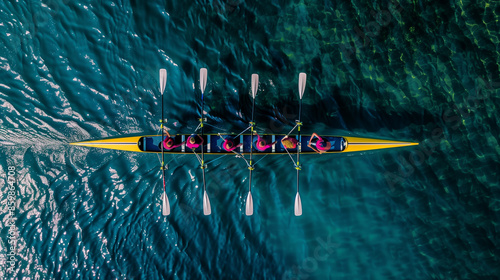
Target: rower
x,y
169,141
261,143
193,143
229,146
318,144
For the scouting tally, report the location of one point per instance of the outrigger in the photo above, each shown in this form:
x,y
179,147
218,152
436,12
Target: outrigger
x,y
212,144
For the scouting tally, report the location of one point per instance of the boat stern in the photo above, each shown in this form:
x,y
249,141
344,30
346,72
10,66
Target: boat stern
x,y
129,144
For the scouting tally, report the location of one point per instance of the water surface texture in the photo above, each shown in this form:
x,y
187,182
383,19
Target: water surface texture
x,y
423,71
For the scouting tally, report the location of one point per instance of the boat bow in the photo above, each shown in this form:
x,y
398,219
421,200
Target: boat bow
x,y
357,144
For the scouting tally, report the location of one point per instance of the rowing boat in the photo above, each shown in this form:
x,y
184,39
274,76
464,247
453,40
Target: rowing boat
x,y
212,144
151,144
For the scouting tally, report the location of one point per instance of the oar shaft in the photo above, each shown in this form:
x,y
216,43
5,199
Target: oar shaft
x,y
249,203
251,131
206,201
250,165
250,181
254,89
162,138
204,185
202,134
201,122
298,180
299,140
253,109
300,109
165,203
302,85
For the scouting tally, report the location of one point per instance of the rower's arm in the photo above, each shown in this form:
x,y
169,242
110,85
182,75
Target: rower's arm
x,y
258,136
177,146
317,151
311,146
236,147
310,139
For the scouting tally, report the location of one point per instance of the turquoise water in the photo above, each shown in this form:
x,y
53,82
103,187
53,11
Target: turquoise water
x,y
420,71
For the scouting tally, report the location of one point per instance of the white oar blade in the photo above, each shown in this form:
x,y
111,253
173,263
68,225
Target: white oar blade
x,y
207,210
249,206
166,205
302,84
203,79
255,84
163,80
298,205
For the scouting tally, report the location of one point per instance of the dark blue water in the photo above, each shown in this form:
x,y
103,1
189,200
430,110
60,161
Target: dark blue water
x,y
420,71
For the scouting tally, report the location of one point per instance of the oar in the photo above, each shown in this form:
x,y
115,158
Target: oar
x,y
165,203
302,87
207,210
249,204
